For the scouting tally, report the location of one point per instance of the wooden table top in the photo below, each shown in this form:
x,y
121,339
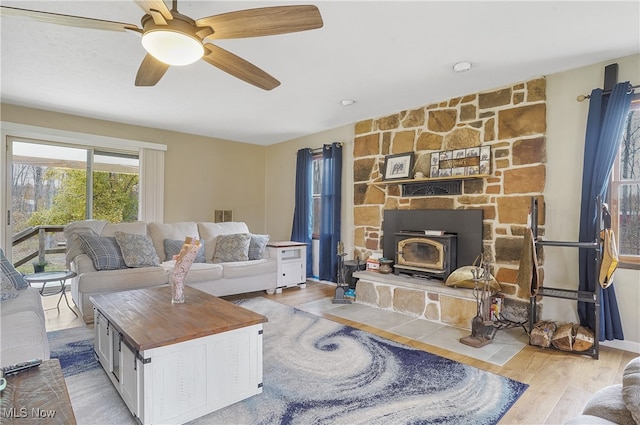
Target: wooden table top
x,y
285,244
37,395
147,318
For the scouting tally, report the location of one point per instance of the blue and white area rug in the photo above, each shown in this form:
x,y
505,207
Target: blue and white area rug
x,y
320,372
74,348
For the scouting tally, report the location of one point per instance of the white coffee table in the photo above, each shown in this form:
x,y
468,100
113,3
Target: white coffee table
x,y
172,363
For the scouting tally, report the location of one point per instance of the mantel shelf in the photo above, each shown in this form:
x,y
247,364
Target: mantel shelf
x,y
429,179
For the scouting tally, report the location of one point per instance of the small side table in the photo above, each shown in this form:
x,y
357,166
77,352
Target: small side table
x,y
48,277
291,260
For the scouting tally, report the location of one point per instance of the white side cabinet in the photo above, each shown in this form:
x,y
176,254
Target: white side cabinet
x,y
291,259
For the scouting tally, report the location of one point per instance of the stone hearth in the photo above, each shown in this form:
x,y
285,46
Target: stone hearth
x,y
428,299
419,297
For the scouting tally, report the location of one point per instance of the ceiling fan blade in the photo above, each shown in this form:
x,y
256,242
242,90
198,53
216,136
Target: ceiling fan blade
x,y
157,9
150,71
263,21
68,20
239,68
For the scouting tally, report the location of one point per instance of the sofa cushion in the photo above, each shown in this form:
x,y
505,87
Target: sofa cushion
x,y
631,388
173,246
238,269
179,231
608,404
104,252
137,250
210,231
11,273
204,272
257,246
233,247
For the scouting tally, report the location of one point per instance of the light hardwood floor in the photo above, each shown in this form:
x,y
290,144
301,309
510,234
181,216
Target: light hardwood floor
x,y
559,383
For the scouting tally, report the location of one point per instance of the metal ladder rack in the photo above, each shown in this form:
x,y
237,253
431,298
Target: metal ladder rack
x,y
583,296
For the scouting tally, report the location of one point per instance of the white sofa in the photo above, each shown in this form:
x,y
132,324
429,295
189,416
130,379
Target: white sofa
x,y
216,278
23,335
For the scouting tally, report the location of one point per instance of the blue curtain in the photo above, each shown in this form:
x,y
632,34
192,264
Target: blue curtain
x,y
302,229
605,124
331,199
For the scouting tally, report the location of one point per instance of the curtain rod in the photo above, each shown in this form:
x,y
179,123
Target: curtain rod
x,y
582,97
318,150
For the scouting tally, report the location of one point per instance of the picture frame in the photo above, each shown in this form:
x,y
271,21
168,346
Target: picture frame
x,y
398,166
473,161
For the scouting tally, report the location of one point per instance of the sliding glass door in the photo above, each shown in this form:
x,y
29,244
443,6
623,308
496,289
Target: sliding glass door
x,y
53,184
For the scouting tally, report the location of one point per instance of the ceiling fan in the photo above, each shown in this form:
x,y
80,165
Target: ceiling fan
x,y
171,38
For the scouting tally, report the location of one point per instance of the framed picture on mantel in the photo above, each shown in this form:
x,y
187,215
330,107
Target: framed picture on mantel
x,y
398,166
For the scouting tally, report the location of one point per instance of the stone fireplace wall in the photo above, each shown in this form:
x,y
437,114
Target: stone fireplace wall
x,y
511,120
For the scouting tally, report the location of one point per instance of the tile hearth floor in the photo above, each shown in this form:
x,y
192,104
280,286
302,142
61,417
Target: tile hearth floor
x,y
505,345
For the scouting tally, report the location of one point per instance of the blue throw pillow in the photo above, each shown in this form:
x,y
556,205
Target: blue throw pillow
x,y
10,273
173,246
104,251
257,246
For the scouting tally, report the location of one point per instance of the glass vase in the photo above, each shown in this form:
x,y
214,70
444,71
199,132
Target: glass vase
x,y
177,290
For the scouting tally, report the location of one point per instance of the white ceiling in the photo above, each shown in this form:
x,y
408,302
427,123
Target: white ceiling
x,y
386,55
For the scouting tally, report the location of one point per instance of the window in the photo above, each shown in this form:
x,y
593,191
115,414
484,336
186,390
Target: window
x,y
55,184
624,191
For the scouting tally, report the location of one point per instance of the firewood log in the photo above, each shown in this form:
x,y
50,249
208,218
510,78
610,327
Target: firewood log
x,y
542,333
584,339
563,337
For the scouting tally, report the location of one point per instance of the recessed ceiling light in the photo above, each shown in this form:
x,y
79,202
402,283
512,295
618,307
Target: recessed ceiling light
x,y
462,66
347,102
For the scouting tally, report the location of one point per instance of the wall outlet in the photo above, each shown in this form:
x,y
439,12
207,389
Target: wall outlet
x,y
220,216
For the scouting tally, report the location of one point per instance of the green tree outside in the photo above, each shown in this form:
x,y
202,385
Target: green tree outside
x,y
115,197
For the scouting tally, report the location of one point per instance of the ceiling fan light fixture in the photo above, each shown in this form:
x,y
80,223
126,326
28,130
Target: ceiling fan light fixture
x,y
172,47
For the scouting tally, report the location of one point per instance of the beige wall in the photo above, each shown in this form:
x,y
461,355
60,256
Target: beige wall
x,y
201,173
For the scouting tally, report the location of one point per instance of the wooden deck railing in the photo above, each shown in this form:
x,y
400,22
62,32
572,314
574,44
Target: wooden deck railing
x,y
40,232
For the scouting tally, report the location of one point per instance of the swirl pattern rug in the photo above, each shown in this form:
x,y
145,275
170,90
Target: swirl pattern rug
x,y
320,372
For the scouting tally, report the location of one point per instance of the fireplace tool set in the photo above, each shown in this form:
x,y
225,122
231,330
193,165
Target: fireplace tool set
x,y
482,329
342,287
487,321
